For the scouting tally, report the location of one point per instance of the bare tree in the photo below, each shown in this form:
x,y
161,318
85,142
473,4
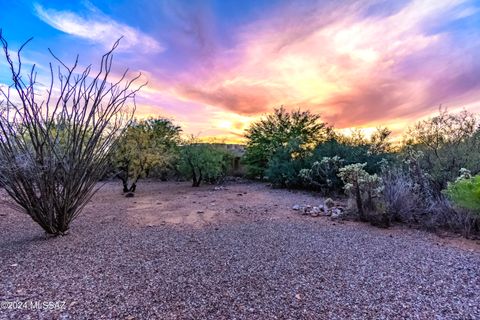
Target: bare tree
x,y
55,145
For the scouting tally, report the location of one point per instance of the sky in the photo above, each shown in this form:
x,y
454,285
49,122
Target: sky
x,y
213,66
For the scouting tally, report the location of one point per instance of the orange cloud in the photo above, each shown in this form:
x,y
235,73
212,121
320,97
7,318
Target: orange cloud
x,y
356,69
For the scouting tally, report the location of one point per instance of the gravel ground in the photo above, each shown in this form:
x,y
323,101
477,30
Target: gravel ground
x,y
174,252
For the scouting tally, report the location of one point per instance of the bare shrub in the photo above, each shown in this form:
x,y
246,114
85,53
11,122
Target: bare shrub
x,y
406,200
443,214
402,203
55,146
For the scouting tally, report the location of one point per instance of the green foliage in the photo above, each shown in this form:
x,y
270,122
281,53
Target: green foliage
x,y
447,142
285,165
465,192
358,149
294,150
203,162
340,150
323,174
146,144
362,186
279,133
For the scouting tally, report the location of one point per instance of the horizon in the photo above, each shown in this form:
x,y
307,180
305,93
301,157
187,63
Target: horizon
x,y
216,66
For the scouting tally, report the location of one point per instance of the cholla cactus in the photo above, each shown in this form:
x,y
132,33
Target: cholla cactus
x,y
464,174
361,185
323,174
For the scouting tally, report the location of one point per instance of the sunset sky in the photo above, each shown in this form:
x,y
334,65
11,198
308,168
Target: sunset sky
x,y
214,66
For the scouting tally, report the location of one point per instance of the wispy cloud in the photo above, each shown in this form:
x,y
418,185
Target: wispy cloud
x,y
355,65
358,63
98,28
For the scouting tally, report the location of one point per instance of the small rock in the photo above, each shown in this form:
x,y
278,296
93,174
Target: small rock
x,y
14,265
200,211
296,207
336,213
298,296
307,209
315,212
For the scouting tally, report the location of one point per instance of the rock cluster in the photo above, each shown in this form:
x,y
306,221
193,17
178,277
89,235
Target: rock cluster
x,y
329,209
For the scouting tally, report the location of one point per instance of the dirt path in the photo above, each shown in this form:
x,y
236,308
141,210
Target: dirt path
x,y
239,251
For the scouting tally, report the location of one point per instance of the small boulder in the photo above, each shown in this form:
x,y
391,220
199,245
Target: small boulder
x,y
296,207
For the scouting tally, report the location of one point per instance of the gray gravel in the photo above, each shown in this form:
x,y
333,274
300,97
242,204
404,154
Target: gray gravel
x,y
252,267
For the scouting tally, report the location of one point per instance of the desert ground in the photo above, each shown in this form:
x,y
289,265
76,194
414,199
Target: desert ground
x,y
237,251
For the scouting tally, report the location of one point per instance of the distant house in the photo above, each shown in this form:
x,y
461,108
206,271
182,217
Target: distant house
x,y
237,150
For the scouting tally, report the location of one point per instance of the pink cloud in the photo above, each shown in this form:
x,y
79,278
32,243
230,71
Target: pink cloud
x,y
355,69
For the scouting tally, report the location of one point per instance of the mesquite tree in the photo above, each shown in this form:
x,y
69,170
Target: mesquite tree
x,y
145,145
203,162
55,145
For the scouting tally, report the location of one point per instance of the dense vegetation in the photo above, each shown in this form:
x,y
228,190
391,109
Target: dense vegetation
x,y
414,182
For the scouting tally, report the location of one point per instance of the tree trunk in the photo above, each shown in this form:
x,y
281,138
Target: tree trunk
x,y
358,195
194,181
125,186
133,187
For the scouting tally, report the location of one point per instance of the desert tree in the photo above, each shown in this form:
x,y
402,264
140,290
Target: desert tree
x,y
298,131
448,142
146,145
55,144
202,162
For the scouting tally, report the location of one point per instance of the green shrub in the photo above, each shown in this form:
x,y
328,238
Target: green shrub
x,y
284,167
465,193
448,142
203,162
323,174
356,149
282,134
